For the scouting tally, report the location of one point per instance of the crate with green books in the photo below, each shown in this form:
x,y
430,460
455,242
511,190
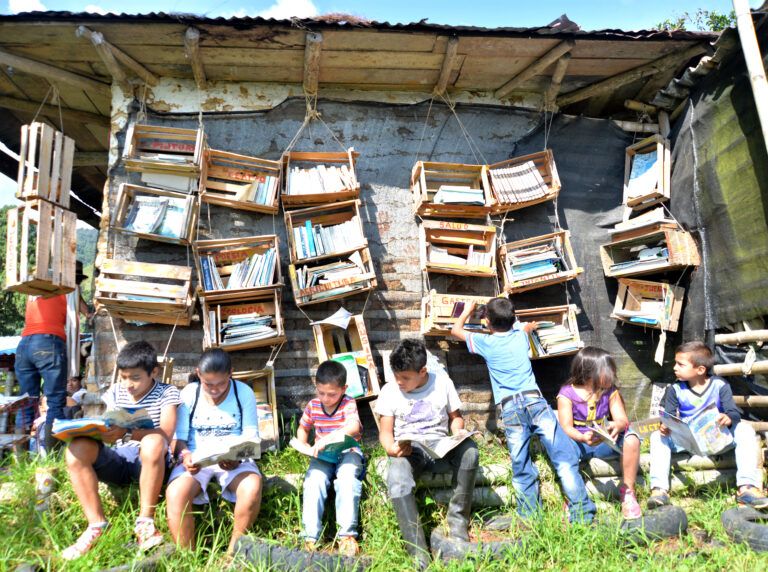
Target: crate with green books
x,y
350,347
234,268
162,150
537,262
557,334
523,181
450,190
316,178
156,214
262,381
655,305
321,232
332,278
440,311
234,325
240,182
647,172
458,248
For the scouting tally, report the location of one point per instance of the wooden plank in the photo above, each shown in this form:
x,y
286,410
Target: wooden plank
x,y
54,74
53,111
45,153
313,49
57,247
110,55
44,250
134,268
449,61
12,248
535,68
557,79
90,159
392,77
56,192
365,40
192,49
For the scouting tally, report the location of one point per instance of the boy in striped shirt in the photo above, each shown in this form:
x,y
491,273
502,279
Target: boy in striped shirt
x,y
332,411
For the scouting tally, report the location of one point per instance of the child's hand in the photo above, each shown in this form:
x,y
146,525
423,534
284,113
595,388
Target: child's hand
x,y
229,465
400,449
528,327
614,430
469,307
663,429
186,460
591,438
113,434
723,420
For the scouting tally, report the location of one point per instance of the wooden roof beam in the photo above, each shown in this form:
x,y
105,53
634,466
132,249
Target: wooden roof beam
x,y
612,83
313,47
557,80
192,47
91,159
451,55
109,52
106,55
53,111
54,74
535,68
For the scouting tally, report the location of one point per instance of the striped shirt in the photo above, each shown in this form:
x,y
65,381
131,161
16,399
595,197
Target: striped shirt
x,y
158,398
323,423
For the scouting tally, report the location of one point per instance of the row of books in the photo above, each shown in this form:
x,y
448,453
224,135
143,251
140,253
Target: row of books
x,y
252,272
459,195
330,279
162,216
535,261
240,329
320,179
552,339
519,183
317,240
439,255
262,191
643,257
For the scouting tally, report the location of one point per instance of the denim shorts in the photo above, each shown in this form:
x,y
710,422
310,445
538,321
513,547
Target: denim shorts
x,y
120,466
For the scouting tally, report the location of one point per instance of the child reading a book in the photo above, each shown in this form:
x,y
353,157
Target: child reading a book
x,y
694,391
524,411
590,403
426,404
140,455
211,410
329,414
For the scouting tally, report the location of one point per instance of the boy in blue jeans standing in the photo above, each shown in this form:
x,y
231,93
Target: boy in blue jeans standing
x,y
524,409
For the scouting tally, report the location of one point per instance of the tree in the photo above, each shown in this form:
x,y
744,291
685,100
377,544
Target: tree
x,y
702,20
11,304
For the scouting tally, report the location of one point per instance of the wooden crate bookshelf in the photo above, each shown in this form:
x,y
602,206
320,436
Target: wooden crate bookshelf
x,y
262,381
167,150
137,205
428,178
145,292
563,268
225,254
505,196
647,172
265,303
310,191
43,265
332,342
444,244
46,158
228,179
334,289
437,311
627,247
558,316
325,223
647,304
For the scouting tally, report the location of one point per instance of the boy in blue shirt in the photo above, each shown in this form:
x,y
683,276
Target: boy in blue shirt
x,y
524,411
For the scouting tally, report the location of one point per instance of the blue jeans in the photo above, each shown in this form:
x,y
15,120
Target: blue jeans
x,y
348,484
526,415
43,356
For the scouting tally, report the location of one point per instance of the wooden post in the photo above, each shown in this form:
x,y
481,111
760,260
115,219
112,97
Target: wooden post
x,y
116,54
107,57
557,79
312,50
535,68
54,74
192,48
451,51
742,337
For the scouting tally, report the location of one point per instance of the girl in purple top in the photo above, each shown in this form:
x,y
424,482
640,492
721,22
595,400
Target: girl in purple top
x,y
590,398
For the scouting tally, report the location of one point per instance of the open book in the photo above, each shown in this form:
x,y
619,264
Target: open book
x,y
606,437
436,447
94,427
337,443
233,448
700,435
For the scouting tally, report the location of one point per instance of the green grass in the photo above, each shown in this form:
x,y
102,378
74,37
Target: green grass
x,y
548,543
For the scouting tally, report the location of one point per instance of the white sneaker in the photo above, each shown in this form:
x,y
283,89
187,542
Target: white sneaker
x,y
84,543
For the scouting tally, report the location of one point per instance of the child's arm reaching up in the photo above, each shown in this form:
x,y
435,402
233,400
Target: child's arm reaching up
x,y
458,331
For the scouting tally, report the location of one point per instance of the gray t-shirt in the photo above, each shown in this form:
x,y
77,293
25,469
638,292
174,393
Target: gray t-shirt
x,y
422,412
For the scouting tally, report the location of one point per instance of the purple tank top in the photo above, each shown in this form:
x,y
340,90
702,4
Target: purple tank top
x,y
585,413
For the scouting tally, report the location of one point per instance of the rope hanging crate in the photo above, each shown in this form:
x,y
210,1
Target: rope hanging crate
x,y
46,157
240,182
236,268
156,214
523,181
145,292
457,248
451,190
352,348
332,278
323,232
537,262
262,381
314,178
252,322
654,305
158,150
557,334
440,311
43,265
647,172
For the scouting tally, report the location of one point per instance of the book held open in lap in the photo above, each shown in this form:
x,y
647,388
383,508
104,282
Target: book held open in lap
x,y
700,435
335,444
606,437
436,447
232,448
94,427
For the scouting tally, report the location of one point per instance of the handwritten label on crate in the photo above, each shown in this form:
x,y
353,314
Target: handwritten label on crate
x,y
171,146
261,308
237,254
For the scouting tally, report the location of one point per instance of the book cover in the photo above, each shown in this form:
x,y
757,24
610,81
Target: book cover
x,y
310,238
231,448
354,383
606,437
700,434
439,447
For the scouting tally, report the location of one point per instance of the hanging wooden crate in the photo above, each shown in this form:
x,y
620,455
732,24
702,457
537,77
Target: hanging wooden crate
x,y
654,305
333,278
155,214
651,249
537,262
523,181
647,172
262,381
240,182
46,157
235,314
450,190
457,248
146,292
349,345
167,150
319,178
440,311
235,268
318,233
558,332
43,265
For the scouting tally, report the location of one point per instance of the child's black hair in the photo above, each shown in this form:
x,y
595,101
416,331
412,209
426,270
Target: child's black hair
x,y
593,366
137,355
500,313
192,377
409,355
331,372
214,360
698,353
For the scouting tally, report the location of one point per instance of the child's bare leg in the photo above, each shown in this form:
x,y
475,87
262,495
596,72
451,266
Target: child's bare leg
x,y
81,455
181,521
247,487
630,460
153,448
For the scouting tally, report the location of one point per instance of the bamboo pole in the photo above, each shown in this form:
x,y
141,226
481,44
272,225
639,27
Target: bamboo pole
x,y
486,475
639,106
752,401
682,462
742,337
608,487
664,125
481,496
637,127
726,369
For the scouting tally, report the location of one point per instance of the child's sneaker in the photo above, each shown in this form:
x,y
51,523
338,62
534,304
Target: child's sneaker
x,y
752,496
85,542
147,535
657,499
630,508
348,546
